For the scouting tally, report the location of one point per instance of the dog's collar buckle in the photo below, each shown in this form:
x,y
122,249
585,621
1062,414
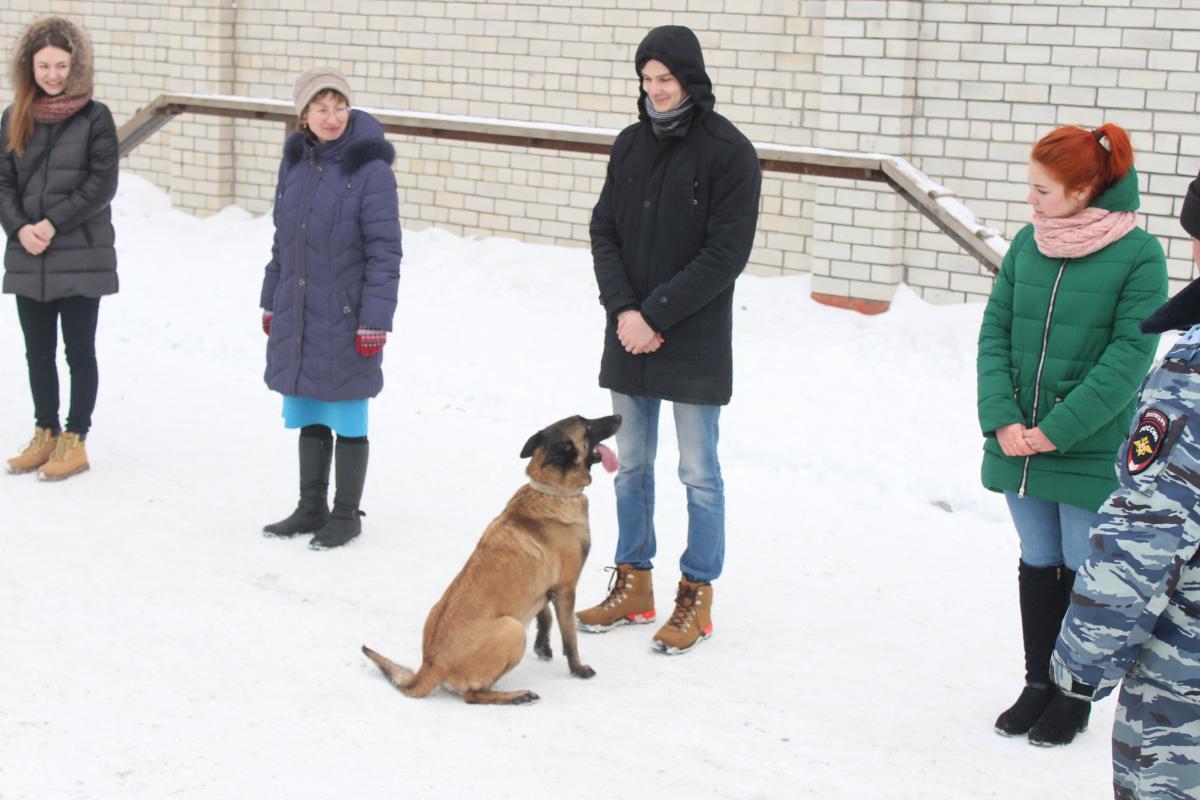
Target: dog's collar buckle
x,y
546,488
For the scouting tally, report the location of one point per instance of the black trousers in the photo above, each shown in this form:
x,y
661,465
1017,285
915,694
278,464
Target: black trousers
x,y
39,323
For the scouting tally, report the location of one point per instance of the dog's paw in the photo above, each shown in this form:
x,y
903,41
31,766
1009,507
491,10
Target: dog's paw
x,y
524,698
543,651
583,671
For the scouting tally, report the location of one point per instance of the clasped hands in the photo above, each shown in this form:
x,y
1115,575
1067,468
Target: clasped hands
x,y
636,336
36,238
1017,440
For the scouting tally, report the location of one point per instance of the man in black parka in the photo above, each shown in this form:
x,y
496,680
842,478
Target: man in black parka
x,y
671,232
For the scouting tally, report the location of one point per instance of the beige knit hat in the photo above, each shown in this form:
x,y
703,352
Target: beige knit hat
x,y
317,80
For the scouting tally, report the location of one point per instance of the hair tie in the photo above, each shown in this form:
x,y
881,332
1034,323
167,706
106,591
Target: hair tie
x,y
1100,137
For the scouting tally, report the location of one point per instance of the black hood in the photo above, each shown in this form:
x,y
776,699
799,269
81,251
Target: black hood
x,y
679,49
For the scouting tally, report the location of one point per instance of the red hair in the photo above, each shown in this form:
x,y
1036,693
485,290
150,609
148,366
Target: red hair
x,y
1077,157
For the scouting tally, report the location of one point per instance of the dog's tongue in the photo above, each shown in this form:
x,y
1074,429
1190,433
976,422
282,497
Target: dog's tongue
x,y
608,458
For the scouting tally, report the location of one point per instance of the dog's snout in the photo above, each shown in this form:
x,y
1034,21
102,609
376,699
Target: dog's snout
x,y
604,427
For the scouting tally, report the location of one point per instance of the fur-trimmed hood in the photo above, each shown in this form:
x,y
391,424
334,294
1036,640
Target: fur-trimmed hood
x,y
361,143
81,79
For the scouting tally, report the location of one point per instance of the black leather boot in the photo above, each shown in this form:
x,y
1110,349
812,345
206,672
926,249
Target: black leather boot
x,y
1043,604
350,472
1065,717
316,454
1061,722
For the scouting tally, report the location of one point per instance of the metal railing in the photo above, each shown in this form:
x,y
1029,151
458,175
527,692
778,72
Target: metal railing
x,y
935,202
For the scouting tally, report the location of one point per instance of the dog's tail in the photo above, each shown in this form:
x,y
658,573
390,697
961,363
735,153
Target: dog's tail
x,y
412,684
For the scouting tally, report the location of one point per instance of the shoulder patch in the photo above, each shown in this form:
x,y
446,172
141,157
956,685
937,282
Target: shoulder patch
x,y
1146,443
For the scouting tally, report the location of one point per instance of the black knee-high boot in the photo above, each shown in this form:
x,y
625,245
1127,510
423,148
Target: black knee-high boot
x,y
350,472
316,455
1064,717
1043,605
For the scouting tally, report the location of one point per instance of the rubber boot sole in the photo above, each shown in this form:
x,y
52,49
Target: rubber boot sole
x,y
645,618
44,477
666,650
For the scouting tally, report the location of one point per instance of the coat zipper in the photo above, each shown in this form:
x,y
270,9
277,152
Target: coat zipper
x,y
1037,382
45,167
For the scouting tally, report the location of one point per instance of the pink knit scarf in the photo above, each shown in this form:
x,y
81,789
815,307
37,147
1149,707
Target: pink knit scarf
x,y
49,110
1082,233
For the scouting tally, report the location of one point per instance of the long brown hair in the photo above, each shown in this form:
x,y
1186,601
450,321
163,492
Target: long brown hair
x,y
1076,157
45,32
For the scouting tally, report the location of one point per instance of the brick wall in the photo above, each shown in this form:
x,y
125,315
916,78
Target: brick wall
x,y
961,88
987,80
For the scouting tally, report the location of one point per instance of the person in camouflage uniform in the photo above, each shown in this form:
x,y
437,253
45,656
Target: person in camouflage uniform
x,y
1135,605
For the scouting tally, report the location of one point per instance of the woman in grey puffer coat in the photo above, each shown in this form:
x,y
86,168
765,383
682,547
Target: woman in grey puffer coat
x,y
58,173
329,295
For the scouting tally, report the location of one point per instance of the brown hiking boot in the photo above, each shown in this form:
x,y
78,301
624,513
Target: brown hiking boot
x,y
692,621
630,601
34,454
69,458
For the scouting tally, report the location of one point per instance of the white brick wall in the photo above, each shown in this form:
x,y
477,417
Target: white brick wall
x,y
961,88
993,77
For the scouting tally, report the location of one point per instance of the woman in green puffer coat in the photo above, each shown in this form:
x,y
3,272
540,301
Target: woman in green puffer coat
x,y
1060,361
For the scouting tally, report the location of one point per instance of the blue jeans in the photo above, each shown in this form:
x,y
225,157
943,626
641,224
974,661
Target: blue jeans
x,y
1051,533
637,444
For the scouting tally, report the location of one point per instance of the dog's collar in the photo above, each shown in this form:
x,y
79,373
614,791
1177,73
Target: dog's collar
x,y
546,488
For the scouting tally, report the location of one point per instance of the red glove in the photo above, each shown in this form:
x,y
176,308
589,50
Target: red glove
x,y
267,323
369,341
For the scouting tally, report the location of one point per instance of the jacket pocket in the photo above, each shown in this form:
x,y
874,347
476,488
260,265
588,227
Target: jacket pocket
x,y
344,310
627,190
1063,389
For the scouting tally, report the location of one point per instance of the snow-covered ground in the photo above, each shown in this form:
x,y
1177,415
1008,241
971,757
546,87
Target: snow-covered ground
x,y
154,645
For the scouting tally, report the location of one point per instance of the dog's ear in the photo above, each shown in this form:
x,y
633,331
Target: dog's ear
x,y
534,443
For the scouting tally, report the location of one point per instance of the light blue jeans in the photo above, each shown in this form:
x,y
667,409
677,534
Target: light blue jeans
x,y
699,470
1051,533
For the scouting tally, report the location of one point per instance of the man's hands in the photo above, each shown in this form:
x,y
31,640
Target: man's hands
x,y
636,336
1017,440
36,238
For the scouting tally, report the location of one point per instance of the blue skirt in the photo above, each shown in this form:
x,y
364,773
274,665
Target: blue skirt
x,y
345,417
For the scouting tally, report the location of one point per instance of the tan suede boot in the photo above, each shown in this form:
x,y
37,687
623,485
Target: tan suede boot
x,y
692,621
34,454
69,458
630,601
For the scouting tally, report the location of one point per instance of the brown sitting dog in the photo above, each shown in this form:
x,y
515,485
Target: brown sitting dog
x,y
528,558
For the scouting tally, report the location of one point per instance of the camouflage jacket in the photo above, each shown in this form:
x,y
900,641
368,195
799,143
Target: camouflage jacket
x,y
1135,607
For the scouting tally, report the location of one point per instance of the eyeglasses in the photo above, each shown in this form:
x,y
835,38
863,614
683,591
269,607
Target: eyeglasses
x,y
324,112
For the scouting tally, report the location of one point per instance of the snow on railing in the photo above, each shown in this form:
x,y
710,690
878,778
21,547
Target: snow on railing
x,y
937,203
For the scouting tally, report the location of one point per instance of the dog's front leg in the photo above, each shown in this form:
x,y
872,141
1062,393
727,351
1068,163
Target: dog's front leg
x,y
541,644
564,609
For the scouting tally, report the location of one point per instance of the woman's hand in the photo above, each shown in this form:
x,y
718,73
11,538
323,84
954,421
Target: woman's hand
x,y
1012,440
34,242
1038,441
46,229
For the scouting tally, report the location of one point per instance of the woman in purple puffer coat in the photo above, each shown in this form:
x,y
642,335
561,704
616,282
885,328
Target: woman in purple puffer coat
x,y
328,297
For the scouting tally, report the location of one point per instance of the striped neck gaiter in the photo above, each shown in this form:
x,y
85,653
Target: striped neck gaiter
x,y
670,123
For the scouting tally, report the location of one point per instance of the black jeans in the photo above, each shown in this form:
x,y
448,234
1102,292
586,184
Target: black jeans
x,y
39,323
